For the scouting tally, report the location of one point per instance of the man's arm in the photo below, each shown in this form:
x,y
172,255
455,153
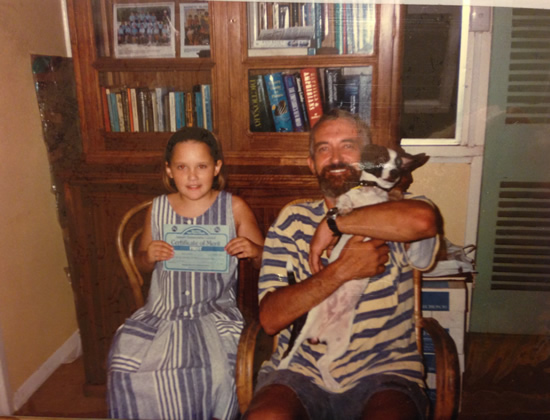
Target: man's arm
x,y
358,259
399,221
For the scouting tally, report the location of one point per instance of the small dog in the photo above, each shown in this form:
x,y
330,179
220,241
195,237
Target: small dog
x,y
331,321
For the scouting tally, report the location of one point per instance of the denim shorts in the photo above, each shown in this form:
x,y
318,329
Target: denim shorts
x,y
349,405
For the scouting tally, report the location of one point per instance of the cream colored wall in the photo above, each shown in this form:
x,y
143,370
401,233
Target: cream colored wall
x,y
37,312
447,185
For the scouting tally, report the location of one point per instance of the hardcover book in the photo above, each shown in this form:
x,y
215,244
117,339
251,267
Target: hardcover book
x,y
190,120
135,115
106,111
261,119
302,99
160,92
278,102
173,110
294,102
350,94
365,93
207,106
333,88
199,113
312,93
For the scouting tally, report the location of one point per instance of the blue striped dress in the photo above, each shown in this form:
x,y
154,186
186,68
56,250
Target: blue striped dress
x,y
383,336
175,357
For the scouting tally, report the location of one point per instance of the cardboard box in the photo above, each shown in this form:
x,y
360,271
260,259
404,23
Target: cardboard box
x,y
444,296
457,334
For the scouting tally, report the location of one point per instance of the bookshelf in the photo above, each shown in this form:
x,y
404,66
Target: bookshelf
x,y
118,169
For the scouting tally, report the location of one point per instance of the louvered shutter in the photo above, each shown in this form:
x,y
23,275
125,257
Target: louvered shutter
x,y
512,289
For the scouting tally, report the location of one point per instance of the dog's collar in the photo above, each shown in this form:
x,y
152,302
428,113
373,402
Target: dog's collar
x,y
371,184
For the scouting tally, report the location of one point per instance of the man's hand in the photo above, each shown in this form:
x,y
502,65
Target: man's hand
x,y
322,239
360,259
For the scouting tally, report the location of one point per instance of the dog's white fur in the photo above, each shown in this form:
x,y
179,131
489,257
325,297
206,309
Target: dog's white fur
x,y
332,320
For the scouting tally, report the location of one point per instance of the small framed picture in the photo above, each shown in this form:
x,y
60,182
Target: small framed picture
x,y
144,30
195,25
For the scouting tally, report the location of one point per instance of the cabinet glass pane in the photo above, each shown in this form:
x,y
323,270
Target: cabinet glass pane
x,y
310,28
293,100
149,29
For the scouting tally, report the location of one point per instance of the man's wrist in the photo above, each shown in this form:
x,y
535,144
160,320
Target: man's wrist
x,y
332,214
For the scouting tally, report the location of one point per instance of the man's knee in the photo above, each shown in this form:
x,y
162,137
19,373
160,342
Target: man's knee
x,y
390,404
275,402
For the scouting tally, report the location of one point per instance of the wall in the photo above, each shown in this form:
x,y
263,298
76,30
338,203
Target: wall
x,y
447,185
37,313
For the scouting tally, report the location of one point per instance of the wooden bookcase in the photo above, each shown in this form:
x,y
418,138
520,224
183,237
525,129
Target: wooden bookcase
x,y
120,169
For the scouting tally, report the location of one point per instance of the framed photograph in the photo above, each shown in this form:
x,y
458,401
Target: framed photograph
x,y
195,30
144,30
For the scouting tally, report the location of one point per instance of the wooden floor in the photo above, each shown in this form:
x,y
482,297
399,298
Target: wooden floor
x,y
507,377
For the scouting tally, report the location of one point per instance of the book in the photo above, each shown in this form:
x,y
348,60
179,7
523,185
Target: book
x,y
350,94
142,109
293,100
207,106
190,109
282,43
175,102
160,92
105,106
312,94
333,88
120,111
154,110
113,112
365,94
181,101
149,111
278,102
339,28
302,99
173,109
134,105
199,112
328,26
318,25
129,110
261,119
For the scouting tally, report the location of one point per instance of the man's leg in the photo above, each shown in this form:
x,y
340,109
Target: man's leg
x,y
275,402
390,404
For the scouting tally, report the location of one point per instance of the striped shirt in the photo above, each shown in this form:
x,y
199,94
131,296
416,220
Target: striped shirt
x,y
383,336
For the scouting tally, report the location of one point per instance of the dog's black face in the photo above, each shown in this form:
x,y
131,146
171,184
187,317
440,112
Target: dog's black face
x,y
387,165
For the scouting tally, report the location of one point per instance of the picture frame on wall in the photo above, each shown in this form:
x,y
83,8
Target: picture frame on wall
x,y
144,30
195,30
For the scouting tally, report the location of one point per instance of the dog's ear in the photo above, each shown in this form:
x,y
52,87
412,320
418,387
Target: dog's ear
x,y
412,162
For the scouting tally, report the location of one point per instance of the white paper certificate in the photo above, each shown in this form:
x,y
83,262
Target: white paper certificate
x,y
198,248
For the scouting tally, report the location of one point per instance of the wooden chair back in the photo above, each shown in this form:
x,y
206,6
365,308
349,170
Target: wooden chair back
x,y
126,237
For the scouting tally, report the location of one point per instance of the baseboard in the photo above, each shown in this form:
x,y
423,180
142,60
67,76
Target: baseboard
x,y
69,351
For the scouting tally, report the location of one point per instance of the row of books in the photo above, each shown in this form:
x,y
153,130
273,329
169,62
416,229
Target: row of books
x,y
294,101
340,28
129,109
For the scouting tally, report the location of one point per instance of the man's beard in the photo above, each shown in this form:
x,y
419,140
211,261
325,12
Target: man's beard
x,y
332,185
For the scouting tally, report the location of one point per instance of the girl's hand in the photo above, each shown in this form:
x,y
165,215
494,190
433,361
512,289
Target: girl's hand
x,y
244,248
159,251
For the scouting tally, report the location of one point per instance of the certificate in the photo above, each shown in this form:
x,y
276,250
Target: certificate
x,y
197,248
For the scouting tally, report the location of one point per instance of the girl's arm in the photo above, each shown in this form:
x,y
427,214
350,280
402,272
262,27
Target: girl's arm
x,y
149,251
249,242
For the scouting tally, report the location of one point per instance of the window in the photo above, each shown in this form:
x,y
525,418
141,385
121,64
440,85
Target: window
x,y
433,72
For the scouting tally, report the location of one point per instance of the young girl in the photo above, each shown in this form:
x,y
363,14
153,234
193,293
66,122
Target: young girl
x,y
175,357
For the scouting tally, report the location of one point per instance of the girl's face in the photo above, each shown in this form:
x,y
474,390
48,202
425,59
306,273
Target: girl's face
x,y
193,169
